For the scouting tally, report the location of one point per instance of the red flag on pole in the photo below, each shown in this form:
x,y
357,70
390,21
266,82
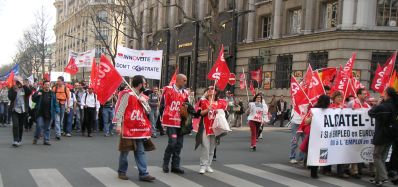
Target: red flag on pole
x,y
107,81
383,76
316,88
349,65
71,68
174,77
10,80
220,71
232,79
46,76
93,75
328,74
252,90
242,81
256,75
341,81
299,98
305,83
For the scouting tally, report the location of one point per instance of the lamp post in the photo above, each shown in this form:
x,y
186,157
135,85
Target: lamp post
x,y
83,41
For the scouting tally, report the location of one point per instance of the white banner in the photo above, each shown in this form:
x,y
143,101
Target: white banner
x,y
130,62
340,136
54,76
84,59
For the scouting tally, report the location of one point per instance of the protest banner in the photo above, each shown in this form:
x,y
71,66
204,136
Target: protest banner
x,y
340,136
130,62
83,59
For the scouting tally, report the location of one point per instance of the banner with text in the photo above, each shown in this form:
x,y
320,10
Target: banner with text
x,y
84,59
130,62
340,136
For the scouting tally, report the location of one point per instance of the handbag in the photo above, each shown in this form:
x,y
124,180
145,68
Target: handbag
x,y
148,145
220,124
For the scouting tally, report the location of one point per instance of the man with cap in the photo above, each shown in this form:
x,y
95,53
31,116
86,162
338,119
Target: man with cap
x,y
19,97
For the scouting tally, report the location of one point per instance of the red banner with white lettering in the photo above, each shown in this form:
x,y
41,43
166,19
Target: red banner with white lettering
x,y
174,77
93,75
71,68
107,81
242,81
256,75
350,65
340,82
305,83
252,90
220,71
383,75
299,98
316,88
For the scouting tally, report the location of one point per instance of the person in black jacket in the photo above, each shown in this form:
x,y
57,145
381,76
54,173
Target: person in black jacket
x,y
384,114
281,107
19,97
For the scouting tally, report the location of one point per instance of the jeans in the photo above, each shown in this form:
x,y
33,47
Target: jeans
x,y
208,147
153,116
59,118
379,157
43,124
295,138
68,122
107,116
18,122
173,149
3,113
78,118
273,118
139,156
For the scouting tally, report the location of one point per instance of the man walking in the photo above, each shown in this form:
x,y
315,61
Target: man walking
x,y
173,97
62,94
281,107
91,106
136,129
78,111
154,102
46,108
4,106
19,97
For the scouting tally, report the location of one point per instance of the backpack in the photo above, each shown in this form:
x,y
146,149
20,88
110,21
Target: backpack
x,y
95,98
56,91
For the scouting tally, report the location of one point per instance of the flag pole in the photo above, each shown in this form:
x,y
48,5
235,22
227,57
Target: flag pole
x,y
214,87
247,91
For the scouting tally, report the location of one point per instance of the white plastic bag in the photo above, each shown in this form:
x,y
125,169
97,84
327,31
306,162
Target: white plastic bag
x,y
220,124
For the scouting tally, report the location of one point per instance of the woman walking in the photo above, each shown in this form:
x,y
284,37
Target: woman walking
x,y
256,113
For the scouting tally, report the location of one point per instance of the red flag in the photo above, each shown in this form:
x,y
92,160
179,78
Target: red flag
x,y
299,98
10,80
350,90
46,76
71,68
349,65
316,88
232,79
383,76
340,82
93,75
252,88
242,81
220,71
305,83
174,77
328,74
256,75
107,81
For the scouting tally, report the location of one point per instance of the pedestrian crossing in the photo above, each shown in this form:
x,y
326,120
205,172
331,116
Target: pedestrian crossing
x,y
237,175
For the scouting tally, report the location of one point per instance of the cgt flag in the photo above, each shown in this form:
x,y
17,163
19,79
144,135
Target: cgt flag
x,y
174,77
93,75
315,89
382,78
350,64
242,81
107,80
220,71
256,75
305,83
252,90
299,98
71,68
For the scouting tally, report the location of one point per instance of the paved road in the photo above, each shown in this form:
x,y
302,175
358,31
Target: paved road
x,y
81,161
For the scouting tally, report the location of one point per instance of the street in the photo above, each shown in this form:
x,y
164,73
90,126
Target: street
x,y
82,161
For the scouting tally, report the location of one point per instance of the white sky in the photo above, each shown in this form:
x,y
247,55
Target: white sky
x,y
17,16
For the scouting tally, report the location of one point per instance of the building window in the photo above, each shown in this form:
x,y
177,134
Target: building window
x,y
318,60
102,34
201,72
387,13
102,16
295,21
329,15
283,71
379,58
255,63
266,27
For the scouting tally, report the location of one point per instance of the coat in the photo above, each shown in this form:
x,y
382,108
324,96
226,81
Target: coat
x,y
130,145
36,98
384,114
12,95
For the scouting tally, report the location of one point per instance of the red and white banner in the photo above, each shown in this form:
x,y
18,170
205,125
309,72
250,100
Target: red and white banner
x,y
71,68
220,71
107,80
131,62
256,75
252,90
383,75
93,75
83,59
316,88
232,79
242,81
305,83
350,65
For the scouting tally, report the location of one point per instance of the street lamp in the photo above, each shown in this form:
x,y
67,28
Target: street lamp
x,y
83,41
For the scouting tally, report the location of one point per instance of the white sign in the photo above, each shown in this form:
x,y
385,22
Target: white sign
x,y
130,62
340,136
84,59
54,76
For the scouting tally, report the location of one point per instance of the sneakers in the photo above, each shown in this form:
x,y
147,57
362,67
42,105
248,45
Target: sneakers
x,y
68,135
15,144
202,170
123,176
58,137
253,148
147,178
177,171
293,161
209,169
260,136
46,143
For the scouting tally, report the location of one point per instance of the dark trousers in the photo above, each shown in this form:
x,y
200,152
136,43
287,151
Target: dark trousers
x,y
89,119
173,149
393,164
4,113
18,122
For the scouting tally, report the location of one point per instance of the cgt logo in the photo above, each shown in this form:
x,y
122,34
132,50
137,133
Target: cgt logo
x,y
323,155
367,154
